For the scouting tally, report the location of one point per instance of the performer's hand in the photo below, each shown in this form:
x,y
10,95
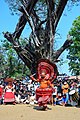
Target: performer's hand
x,y
47,76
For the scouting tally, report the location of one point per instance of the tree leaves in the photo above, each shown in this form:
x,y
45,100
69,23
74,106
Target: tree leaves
x,y
74,49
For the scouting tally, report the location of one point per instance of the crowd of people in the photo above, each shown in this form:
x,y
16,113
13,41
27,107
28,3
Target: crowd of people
x,y
65,91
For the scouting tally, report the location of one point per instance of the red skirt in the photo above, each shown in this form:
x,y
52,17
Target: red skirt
x,y
43,92
43,100
9,97
43,96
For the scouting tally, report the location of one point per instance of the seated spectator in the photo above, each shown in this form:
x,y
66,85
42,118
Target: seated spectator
x,y
62,100
17,98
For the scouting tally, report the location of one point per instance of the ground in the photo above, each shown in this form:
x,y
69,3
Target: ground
x,y
28,112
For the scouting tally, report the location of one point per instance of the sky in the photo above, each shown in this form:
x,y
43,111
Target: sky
x,y
8,23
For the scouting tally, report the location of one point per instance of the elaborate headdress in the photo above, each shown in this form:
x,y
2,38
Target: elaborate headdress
x,y
49,68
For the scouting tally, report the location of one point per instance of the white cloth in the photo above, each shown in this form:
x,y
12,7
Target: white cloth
x,y
55,90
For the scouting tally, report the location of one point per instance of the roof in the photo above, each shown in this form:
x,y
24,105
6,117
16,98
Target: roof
x,y
74,77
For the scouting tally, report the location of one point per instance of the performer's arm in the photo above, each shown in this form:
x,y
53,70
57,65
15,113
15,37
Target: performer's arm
x,y
32,78
50,84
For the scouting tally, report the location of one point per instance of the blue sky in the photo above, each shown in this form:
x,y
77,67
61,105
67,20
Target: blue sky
x,y
8,23
63,28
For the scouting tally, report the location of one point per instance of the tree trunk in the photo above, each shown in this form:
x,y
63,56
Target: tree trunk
x,y
41,41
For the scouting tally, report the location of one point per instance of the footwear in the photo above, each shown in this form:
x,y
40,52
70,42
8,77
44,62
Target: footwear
x,y
44,107
14,103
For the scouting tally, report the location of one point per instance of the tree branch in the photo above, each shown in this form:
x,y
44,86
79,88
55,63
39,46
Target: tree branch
x,y
22,20
59,11
24,54
66,44
49,30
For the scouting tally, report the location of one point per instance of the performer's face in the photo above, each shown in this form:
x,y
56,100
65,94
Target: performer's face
x,y
43,74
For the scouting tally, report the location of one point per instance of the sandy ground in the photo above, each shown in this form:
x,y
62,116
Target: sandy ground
x,y
28,112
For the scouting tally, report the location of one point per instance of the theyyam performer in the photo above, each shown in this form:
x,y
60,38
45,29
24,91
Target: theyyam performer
x,y
46,73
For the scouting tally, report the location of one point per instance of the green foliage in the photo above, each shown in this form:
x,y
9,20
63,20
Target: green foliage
x,y
74,49
2,62
10,64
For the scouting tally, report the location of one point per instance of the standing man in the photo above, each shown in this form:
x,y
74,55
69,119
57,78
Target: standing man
x,y
65,89
54,95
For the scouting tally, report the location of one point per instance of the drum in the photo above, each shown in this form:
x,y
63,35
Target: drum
x,y
72,92
74,95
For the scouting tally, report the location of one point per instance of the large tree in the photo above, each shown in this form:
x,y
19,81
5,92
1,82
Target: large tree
x,y
42,16
74,49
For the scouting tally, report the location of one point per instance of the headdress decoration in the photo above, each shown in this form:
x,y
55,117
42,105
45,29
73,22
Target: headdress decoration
x,y
44,65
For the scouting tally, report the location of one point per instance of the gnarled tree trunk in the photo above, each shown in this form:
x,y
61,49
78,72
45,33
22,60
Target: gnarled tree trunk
x,y
41,41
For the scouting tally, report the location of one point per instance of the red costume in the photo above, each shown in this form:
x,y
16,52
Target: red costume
x,y
46,73
9,96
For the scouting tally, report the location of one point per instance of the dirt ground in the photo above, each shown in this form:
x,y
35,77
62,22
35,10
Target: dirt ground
x,y
28,112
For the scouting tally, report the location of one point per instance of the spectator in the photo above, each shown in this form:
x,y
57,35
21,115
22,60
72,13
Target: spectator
x,y
65,90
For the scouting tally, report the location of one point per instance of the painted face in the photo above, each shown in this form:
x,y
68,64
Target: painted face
x,y
43,74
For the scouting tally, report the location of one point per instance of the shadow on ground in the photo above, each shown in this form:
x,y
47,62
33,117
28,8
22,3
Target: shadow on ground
x,y
41,108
